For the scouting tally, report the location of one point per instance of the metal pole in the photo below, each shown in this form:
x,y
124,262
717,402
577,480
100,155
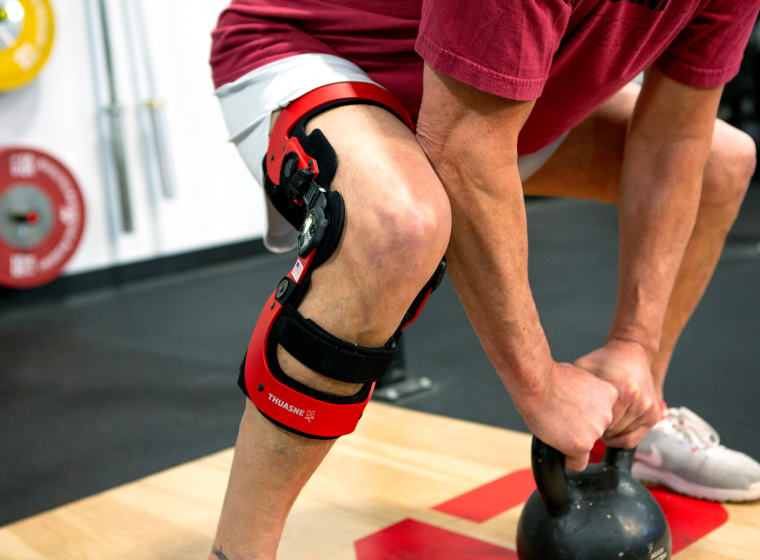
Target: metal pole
x,y
154,104
102,124
115,113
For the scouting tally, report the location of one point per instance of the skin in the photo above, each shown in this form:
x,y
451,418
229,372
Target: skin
x,y
665,149
559,401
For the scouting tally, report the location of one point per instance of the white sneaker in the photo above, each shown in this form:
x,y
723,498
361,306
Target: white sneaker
x,y
683,452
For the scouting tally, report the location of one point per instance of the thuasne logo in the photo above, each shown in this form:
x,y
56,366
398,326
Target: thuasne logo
x,y
289,407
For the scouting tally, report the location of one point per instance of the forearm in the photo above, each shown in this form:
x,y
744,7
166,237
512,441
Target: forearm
x,y
661,182
659,195
471,141
565,407
470,137
488,256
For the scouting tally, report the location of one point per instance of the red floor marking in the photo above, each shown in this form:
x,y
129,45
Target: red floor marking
x,y
492,498
689,519
414,540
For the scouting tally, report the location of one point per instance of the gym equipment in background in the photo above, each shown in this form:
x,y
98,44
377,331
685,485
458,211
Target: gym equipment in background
x,y
598,514
151,117
109,118
41,217
151,106
26,38
106,33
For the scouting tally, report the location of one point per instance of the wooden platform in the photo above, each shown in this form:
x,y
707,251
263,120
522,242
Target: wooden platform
x,y
373,498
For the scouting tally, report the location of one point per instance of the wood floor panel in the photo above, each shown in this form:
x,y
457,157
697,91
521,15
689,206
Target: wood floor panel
x,y
397,466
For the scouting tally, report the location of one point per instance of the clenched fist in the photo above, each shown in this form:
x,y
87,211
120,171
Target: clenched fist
x,y
569,411
626,366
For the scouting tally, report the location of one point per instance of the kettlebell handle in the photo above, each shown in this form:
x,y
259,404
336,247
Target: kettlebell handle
x,y
548,466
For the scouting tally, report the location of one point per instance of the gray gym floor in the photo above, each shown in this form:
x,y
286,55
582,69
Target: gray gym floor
x,y
112,385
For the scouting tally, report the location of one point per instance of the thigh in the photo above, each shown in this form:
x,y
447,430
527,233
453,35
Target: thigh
x,y
588,163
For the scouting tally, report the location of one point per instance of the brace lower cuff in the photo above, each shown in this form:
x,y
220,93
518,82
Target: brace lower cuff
x,y
293,405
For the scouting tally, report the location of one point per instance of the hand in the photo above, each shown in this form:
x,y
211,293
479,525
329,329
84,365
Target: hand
x,y
570,412
626,365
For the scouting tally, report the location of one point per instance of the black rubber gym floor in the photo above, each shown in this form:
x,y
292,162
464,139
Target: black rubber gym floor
x,y
109,386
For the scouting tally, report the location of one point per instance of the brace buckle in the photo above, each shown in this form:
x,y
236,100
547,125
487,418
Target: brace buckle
x,y
297,182
315,225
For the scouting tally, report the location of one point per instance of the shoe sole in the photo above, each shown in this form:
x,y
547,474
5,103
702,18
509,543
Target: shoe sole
x,y
646,473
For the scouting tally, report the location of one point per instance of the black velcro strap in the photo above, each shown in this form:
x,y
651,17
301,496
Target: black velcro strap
x,y
317,349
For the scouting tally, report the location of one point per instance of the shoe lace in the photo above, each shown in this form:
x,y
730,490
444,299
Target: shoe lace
x,y
689,425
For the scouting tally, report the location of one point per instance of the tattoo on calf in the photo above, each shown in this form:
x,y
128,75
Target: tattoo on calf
x,y
218,553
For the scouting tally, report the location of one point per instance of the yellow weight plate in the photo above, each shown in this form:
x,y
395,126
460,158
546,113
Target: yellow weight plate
x,y
26,37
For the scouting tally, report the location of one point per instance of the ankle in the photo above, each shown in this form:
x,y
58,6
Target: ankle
x,y
219,552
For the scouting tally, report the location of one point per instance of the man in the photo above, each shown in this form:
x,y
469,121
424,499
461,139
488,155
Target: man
x,y
518,98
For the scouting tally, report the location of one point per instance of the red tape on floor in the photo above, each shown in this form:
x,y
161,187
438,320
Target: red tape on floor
x,y
689,520
491,499
414,540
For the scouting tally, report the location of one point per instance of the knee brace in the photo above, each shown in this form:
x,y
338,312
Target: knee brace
x,y
298,170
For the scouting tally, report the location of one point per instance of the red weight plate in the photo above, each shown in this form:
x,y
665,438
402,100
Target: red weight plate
x,y
41,217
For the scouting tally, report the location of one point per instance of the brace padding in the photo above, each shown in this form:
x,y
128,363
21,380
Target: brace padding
x,y
318,148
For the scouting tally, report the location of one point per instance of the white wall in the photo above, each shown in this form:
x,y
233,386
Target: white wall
x,y
217,200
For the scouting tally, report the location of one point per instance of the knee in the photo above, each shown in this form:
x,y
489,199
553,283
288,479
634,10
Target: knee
x,y
410,228
729,170
420,225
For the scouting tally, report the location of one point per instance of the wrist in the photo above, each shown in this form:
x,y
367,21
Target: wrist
x,y
641,341
528,377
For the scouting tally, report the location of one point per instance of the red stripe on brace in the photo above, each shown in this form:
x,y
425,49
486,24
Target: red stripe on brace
x,y
419,310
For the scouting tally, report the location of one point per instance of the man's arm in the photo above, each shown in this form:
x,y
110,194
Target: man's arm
x,y
666,150
470,138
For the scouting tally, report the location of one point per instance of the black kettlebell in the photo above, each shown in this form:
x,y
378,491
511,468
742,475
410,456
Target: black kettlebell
x,y
602,513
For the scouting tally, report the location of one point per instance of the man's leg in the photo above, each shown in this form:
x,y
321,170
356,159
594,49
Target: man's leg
x,y
727,175
396,231
588,164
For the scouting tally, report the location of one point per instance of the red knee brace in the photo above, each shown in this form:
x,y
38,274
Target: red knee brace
x,y
299,169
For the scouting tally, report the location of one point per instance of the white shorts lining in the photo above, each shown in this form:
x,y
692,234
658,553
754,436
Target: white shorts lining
x,y
248,103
